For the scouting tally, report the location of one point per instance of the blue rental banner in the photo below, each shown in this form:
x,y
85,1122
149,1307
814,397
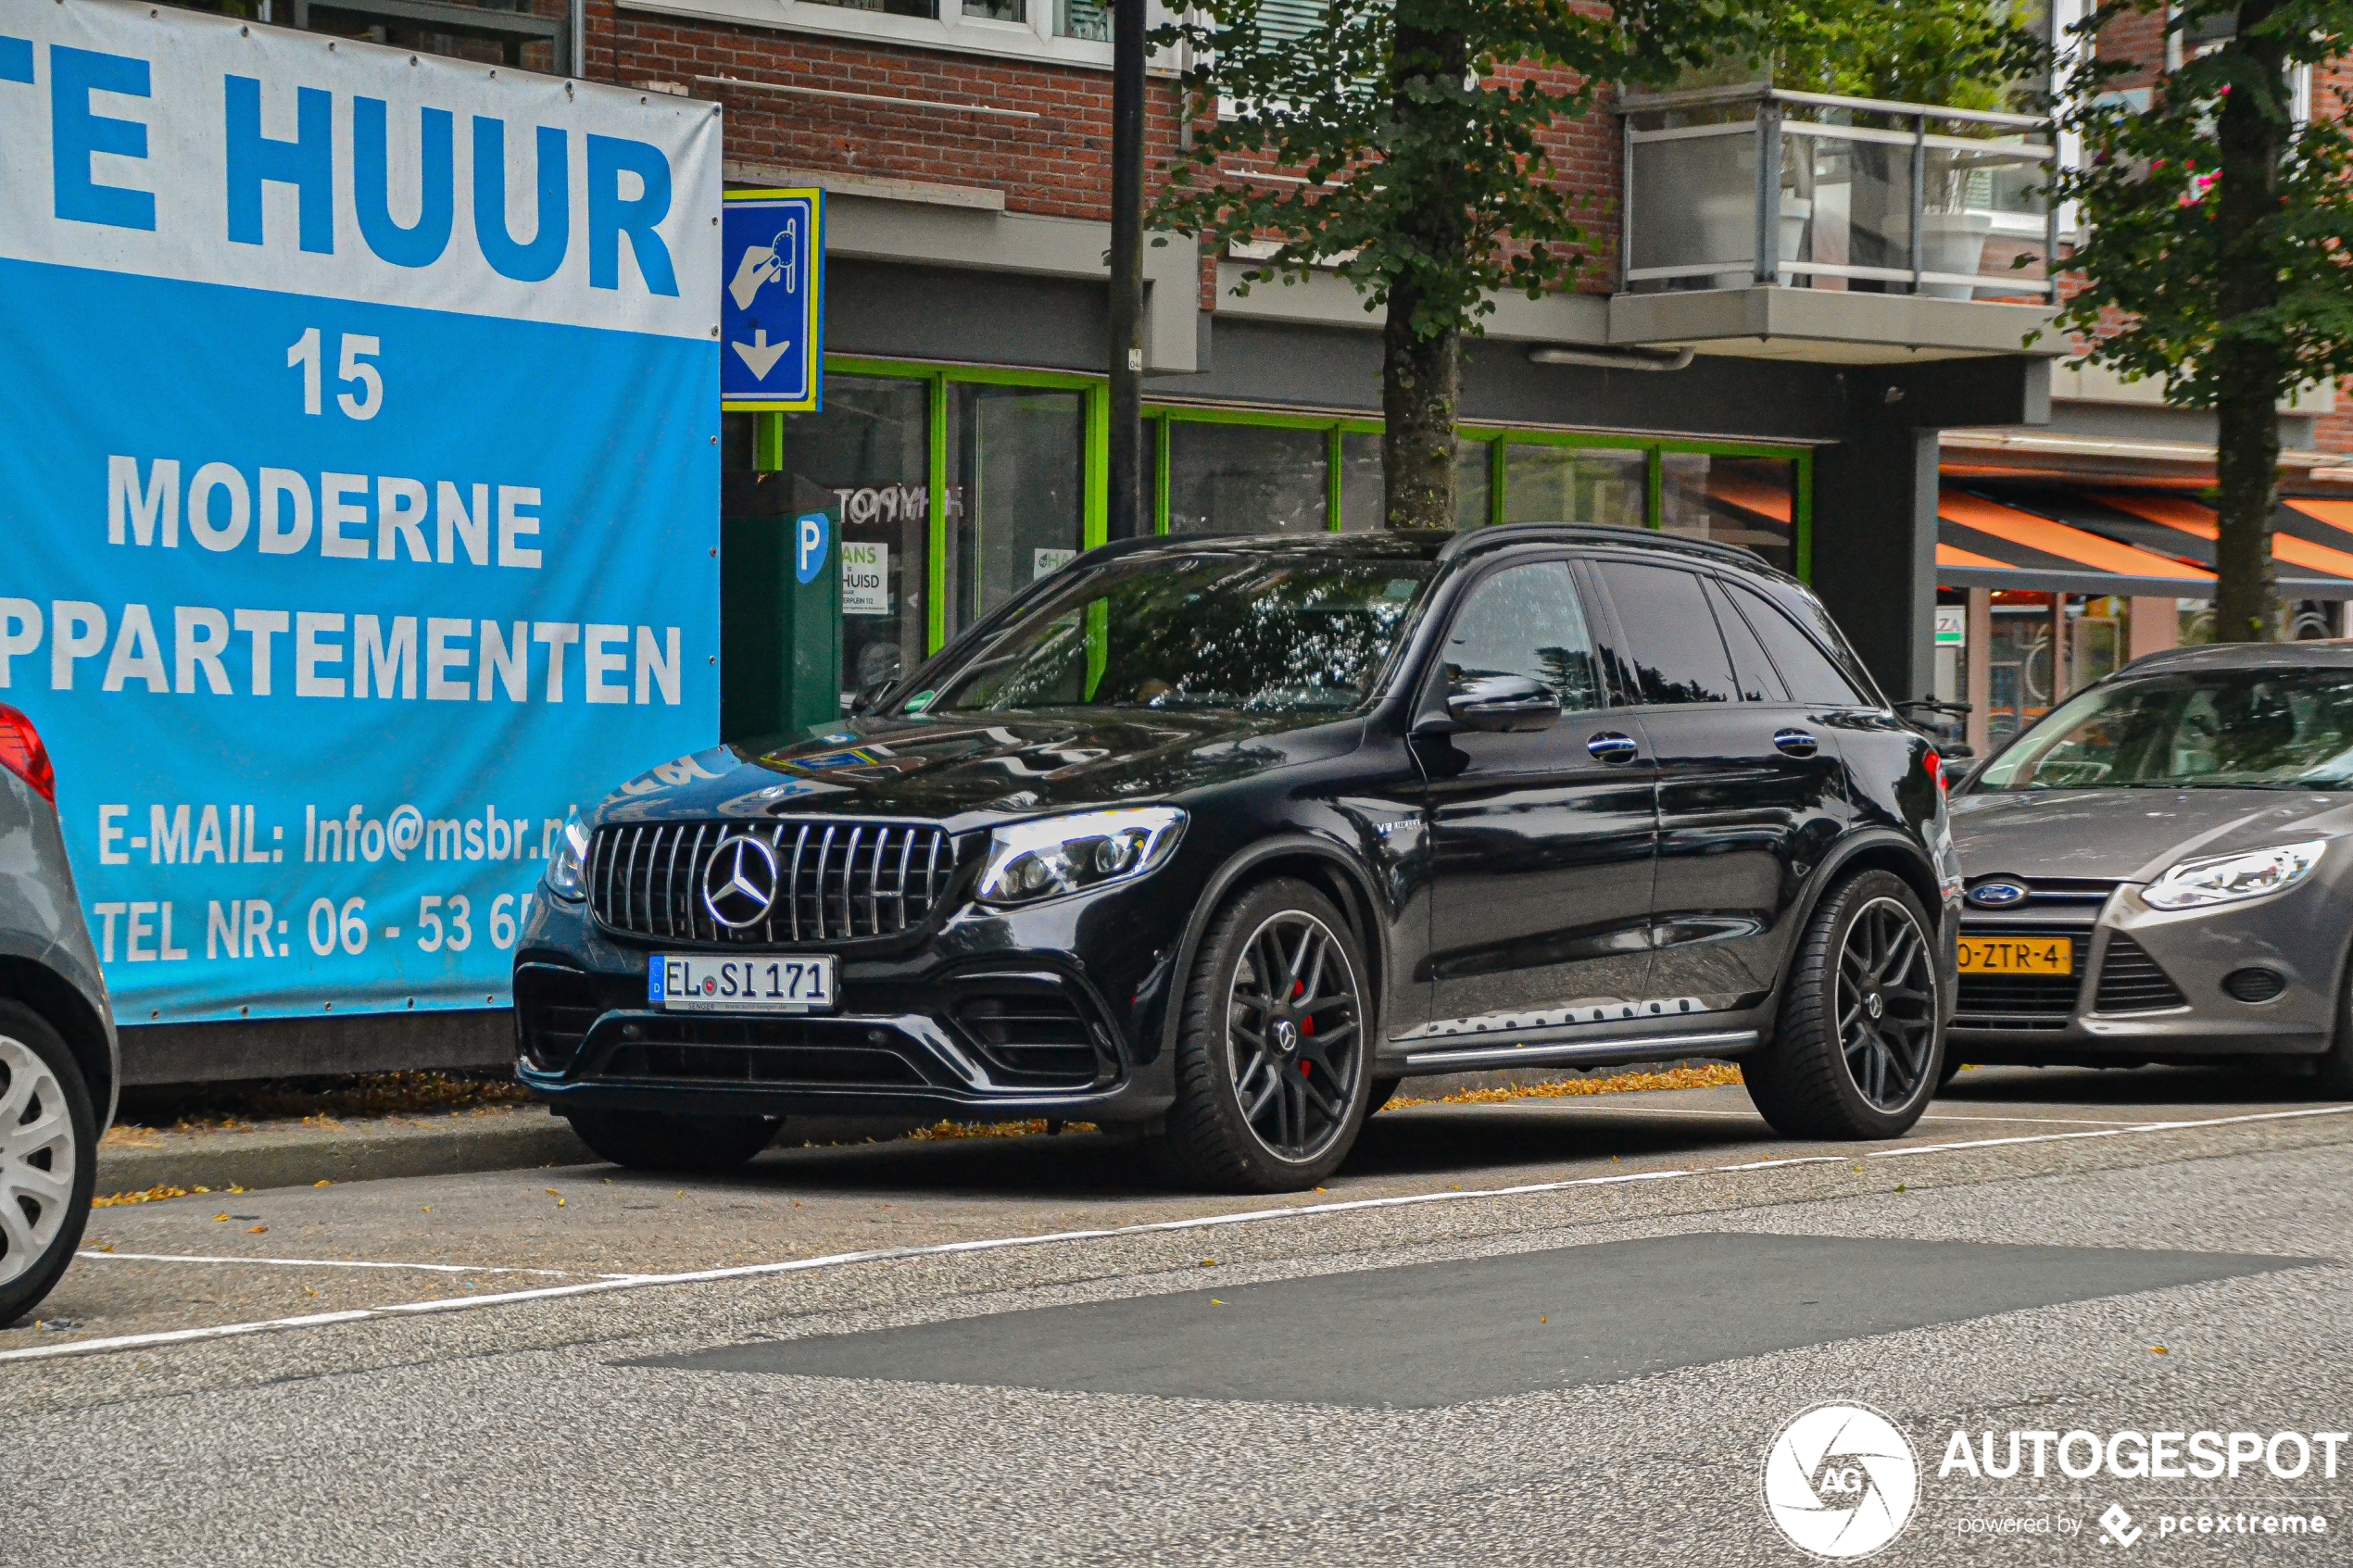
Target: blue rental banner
x,y
360,466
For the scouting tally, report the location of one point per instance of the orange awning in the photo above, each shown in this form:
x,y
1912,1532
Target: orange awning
x,y
2176,511
2085,550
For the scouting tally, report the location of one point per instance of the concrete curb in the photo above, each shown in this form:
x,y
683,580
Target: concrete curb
x,y
303,1155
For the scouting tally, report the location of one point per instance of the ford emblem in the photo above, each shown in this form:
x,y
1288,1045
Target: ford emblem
x,y
1997,895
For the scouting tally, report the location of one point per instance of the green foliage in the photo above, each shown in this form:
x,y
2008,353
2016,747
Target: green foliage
x,y
2162,239
1409,137
1959,54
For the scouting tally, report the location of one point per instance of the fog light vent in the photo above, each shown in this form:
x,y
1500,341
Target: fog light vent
x,y
2254,984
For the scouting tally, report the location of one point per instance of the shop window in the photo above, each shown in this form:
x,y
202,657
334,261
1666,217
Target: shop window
x,y
1246,479
865,459
1576,484
1016,491
1363,494
1745,501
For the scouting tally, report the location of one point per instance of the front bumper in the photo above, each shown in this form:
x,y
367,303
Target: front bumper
x,y
1051,1012
2152,985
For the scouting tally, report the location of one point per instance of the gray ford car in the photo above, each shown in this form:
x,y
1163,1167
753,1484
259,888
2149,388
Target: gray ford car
x,y
2161,869
58,1054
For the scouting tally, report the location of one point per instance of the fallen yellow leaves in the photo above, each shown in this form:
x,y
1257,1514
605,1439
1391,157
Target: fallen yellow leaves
x,y
947,1130
153,1194
1714,1077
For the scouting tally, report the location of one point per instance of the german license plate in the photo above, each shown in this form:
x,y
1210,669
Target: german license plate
x,y
2018,955
706,983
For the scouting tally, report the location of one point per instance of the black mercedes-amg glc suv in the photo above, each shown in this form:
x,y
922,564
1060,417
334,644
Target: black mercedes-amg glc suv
x,y
1217,840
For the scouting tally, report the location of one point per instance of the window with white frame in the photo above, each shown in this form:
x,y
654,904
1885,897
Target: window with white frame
x,y
1073,32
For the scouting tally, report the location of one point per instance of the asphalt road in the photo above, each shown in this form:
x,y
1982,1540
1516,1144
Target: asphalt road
x,y
1539,1332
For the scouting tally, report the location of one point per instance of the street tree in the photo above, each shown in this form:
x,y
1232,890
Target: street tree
x,y
1402,145
2218,244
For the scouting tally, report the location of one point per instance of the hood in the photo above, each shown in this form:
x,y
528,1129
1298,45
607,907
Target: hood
x,y
970,773
2130,835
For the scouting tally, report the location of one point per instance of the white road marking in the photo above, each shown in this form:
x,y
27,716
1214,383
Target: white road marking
x,y
1751,1115
1252,1216
347,1263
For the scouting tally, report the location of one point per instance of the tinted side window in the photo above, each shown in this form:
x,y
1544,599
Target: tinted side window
x,y
1675,652
1807,669
1526,620
1758,683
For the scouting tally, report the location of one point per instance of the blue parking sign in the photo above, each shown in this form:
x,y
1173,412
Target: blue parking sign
x,y
772,310
810,535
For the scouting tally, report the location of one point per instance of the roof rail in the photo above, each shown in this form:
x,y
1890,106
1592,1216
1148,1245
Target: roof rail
x,y
1507,534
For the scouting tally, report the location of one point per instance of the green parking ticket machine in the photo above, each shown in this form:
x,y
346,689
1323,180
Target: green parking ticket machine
x,y
780,623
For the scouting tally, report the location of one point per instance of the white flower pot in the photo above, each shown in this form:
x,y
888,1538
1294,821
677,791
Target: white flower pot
x,y
1727,226
1953,241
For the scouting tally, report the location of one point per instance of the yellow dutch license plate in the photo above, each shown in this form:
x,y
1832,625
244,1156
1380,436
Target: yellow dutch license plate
x,y
2018,955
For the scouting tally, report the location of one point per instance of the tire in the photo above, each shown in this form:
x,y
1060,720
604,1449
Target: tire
x,y
1276,1106
2332,1073
647,1140
1952,1070
49,1159
1384,1090
1837,1067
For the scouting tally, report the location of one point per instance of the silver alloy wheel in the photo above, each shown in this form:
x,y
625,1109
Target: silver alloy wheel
x,y
1887,1004
1292,1035
37,1156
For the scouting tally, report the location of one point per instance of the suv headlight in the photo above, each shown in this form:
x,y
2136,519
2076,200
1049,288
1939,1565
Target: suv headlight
x,y
565,874
2226,879
1029,862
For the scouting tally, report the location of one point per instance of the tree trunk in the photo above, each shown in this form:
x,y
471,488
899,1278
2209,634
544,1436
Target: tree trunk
x,y
2247,370
1422,369
1421,383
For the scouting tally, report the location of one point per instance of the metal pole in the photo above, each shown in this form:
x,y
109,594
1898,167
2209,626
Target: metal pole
x,y
1920,195
1126,517
1768,253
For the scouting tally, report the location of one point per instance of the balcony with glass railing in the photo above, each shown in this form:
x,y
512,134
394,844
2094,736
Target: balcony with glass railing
x,y
1754,186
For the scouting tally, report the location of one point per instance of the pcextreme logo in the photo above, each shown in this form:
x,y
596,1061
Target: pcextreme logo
x,y
1840,1482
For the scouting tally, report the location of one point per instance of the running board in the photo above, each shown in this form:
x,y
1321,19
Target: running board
x,y
1537,1053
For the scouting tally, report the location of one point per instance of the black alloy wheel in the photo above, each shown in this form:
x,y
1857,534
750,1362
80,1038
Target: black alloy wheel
x,y
1858,1050
1272,1083
1887,1004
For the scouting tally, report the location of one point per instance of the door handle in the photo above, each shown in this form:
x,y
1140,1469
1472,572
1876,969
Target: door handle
x,y
1794,743
1610,747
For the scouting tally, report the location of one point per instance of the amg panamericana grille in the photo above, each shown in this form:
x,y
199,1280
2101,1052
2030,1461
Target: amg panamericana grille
x,y
839,880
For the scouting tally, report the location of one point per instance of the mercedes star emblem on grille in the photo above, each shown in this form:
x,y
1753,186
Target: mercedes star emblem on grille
x,y
739,882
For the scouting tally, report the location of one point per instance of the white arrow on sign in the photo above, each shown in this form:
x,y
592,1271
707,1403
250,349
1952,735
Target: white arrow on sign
x,y
760,354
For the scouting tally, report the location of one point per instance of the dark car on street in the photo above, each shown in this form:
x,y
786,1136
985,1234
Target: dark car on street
x,y
1215,840
2159,869
57,1050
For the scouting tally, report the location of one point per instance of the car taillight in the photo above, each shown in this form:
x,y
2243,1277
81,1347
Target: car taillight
x,y
22,754
1935,766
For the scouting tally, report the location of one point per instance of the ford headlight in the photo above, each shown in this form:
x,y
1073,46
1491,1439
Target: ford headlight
x,y
566,876
2226,879
1029,862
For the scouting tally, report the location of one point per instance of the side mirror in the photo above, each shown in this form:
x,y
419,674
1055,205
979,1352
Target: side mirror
x,y
1503,703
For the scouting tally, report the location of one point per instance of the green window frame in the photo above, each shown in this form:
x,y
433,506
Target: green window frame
x,y
1161,415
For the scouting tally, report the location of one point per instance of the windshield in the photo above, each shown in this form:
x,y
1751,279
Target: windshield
x,y
1218,631
2279,729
